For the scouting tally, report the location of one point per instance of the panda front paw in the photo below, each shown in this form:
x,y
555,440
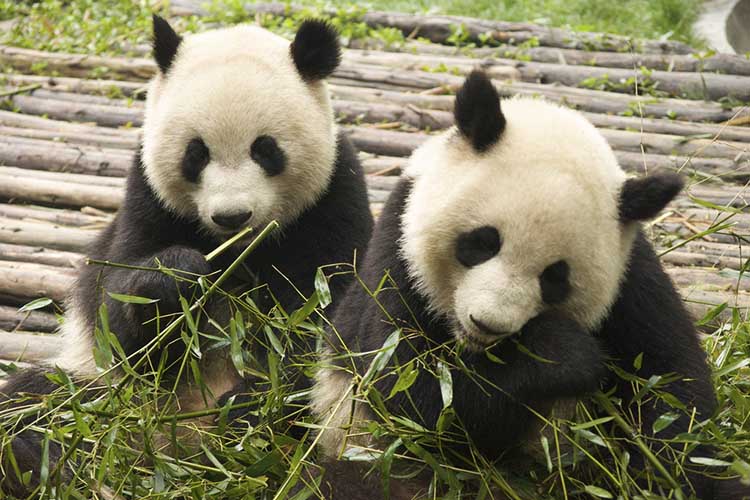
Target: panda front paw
x,y
186,266
573,357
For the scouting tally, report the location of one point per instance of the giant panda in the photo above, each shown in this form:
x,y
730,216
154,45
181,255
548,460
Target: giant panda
x,y
511,252
238,131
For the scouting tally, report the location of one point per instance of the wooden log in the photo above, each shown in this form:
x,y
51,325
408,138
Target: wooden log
x,y
707,279
39,255
35,321
384,142
109,116
391,143
672,127
63,95
720,168
88,180
48,155
705,85
80,85
434,112
388,79
701,302
61,216
51,236
29,347
730,64
22,279
101,141
20,120
624,140
382,165
81,65
638,163
354,111
412,79
505,70
56,192
585,100
716,262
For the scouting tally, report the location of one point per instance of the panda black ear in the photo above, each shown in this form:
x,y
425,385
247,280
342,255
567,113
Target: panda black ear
x,y
166,42
643,198
477,111
315,50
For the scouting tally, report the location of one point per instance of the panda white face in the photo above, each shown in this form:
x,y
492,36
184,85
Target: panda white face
x,y
503,226
238,131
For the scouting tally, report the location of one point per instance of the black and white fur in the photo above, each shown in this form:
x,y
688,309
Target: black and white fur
x,y
515,227
238,131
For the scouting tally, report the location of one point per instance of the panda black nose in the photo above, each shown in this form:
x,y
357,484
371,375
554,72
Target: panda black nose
x,y
231,221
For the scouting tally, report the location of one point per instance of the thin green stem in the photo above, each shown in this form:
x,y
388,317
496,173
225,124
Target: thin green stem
x,y
605,403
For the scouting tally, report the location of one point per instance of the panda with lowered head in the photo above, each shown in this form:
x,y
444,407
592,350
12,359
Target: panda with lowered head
x,y
514,233
238,131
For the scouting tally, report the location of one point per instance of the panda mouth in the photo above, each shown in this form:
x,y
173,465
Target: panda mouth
x,y
479,336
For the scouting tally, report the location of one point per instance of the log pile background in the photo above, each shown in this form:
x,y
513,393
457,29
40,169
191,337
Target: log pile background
x,y
65,146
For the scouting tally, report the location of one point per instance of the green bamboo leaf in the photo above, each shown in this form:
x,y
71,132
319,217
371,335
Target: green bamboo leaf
x,y
321,287
35,304
597,491
131,299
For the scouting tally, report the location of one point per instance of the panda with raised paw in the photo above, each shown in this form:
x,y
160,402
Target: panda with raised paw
x,y
513,243
238,131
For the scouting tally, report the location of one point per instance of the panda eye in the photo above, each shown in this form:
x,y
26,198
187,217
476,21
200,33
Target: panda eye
x,y
478,245
195,160
267,153
555,282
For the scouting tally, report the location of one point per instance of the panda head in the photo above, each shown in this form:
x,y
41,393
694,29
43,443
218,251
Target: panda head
x,y
520,210
238,126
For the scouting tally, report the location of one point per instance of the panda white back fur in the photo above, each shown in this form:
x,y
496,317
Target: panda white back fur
x,y
516,223
238,131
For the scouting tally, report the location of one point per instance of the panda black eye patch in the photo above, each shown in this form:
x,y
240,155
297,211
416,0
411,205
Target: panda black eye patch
x,y
266,152
555,282
195,160
478,245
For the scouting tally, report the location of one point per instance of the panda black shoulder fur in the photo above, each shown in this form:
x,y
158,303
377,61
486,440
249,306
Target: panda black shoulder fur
x,y
517,226
238,131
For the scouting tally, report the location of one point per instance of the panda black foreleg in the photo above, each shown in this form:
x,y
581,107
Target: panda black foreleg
x,y
649,323
135,324
553,358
